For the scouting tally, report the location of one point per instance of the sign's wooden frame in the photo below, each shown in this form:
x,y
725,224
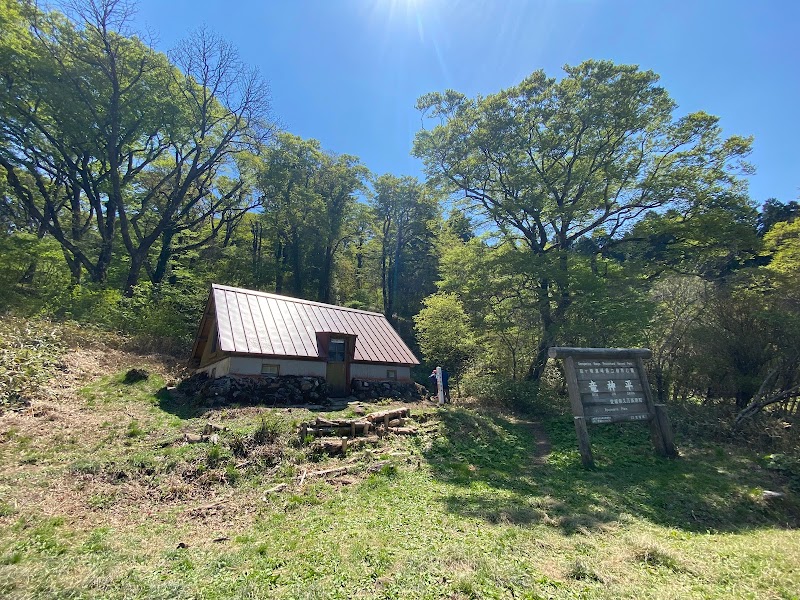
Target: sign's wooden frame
x,y
656,415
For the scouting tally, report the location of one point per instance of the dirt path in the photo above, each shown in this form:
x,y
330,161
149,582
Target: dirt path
x,y
542,449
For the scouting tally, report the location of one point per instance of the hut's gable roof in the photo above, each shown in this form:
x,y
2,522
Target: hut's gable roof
x,y
254,322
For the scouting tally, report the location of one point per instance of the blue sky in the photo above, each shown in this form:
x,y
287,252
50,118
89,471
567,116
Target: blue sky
x,y
348,72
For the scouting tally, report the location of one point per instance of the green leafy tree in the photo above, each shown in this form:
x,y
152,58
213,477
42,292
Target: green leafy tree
x,y
550,162
309,211
444,333
204,182
493,289
713,238
405,213
773,211
79,128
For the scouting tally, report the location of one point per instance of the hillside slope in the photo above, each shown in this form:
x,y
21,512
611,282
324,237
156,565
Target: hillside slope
x,y
102,497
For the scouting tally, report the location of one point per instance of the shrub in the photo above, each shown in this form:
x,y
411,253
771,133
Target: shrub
x,y
29,352
495,389
269,430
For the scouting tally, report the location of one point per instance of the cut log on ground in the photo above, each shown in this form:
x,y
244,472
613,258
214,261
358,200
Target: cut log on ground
x,y
277,488
334,446
393,413
329,472
402,430
386,421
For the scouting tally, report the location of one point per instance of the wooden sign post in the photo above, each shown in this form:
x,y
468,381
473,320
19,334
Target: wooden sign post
x,y
609,385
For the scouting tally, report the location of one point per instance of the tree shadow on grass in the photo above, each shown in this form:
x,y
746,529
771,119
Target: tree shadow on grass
x,y
489,462
179,405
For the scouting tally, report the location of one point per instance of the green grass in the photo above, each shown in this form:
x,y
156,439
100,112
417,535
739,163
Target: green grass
x,y
123,509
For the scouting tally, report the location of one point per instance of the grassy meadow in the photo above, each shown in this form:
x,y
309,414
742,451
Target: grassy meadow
x,y
101,497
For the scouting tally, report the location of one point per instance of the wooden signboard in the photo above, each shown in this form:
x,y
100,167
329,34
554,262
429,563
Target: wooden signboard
x,y
609,385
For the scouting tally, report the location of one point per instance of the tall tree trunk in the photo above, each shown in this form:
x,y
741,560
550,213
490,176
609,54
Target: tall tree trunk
x,y
551,318
134,272
297,262
280,260
359,264
75,267
540,360
257,231
325,275
163,257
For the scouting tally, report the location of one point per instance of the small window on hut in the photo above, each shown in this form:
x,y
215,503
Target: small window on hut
x,y
336,350
391,374
270,369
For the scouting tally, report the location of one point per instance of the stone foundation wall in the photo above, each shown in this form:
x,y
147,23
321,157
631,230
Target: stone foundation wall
x,y
285,390
372,390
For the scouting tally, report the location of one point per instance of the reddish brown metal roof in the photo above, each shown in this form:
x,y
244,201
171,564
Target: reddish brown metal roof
x,y
254,322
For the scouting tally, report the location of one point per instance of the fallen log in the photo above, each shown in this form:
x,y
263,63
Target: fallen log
x,y
330,472
337,446
388,415
319,422
277,488
352,430
339,427
402,430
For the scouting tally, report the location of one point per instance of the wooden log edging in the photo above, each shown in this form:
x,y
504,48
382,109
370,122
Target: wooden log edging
x,y
348,431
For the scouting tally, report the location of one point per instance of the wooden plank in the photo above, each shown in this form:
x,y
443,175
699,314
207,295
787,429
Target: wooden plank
x,y
565,352
584,443
666,431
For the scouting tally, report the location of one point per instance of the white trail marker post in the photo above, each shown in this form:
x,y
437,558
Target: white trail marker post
x,y
439,385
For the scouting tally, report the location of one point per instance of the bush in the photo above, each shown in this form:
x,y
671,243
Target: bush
x,y
269,430
518,395
29,352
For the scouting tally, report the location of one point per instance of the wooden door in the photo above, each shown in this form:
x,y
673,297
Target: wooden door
x,y
336,375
